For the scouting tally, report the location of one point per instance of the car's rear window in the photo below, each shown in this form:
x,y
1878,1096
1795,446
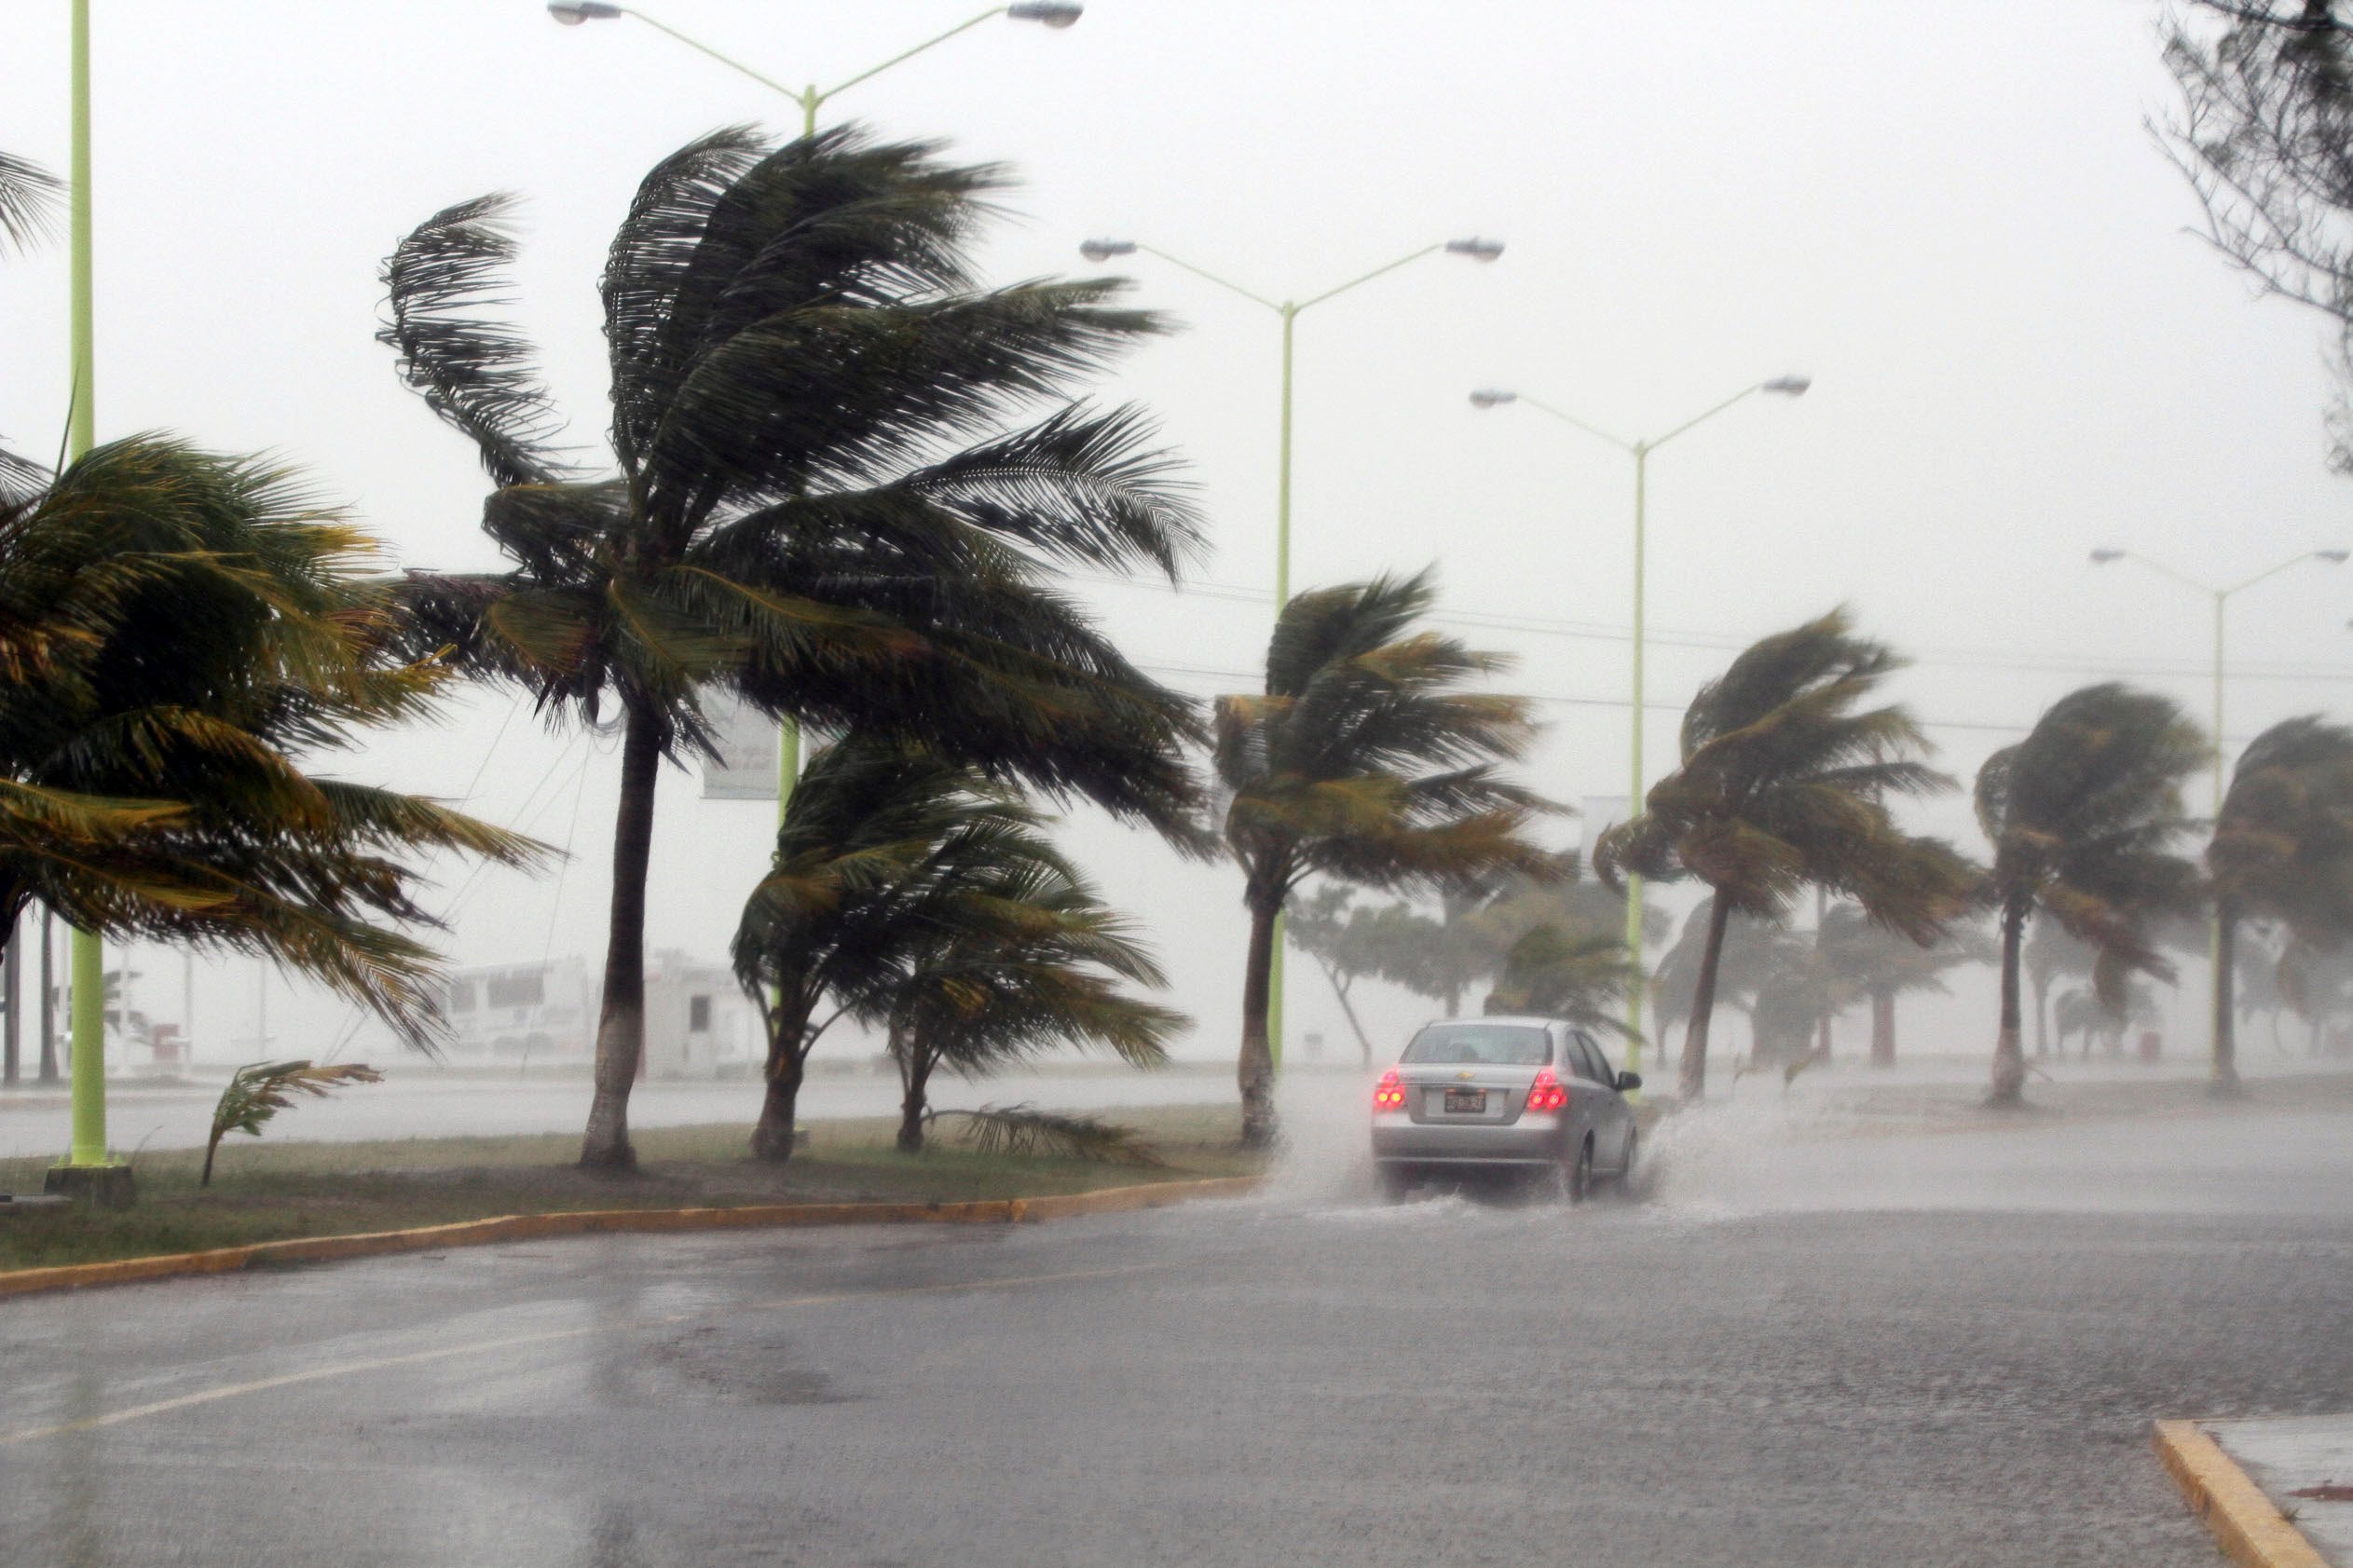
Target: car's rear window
x,y
1493,1044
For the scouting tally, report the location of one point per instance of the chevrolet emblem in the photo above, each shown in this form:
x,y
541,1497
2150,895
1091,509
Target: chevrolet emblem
x,y
1465,1075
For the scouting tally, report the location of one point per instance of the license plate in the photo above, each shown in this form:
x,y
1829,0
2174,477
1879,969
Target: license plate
x,y
1473,1100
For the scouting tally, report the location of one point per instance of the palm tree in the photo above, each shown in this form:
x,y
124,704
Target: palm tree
x,y
1566,972
1871,961
2282,851
1364,762
2082,814
1344,940
2051,955
820,508
1034,960
1749,954
177,630
874,841
2317,984
1783,783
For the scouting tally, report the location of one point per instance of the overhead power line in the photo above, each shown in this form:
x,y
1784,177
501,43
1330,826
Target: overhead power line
x,y
1964,659
1240,680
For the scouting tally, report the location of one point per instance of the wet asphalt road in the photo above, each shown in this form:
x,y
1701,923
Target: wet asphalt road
x,y
1792,1353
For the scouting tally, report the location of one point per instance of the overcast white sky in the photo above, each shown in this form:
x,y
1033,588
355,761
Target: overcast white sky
x,y
1950,215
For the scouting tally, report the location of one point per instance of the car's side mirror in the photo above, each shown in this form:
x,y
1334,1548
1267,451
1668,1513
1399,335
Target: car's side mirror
x,y
1628,1080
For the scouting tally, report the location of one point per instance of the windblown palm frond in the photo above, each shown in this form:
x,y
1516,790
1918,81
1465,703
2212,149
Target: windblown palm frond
x,y
29,198
846,471
258,1092
1028,1133
28,212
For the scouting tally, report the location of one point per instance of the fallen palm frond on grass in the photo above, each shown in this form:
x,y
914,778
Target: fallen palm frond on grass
x,y
1024,1131
260,1091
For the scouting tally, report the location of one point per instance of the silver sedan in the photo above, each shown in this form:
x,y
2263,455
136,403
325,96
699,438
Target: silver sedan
x,y
1534,1095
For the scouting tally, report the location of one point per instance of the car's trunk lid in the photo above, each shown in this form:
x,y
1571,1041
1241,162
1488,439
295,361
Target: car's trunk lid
x,y
1443,1095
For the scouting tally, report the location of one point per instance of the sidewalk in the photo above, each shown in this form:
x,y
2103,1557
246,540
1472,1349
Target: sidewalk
x,y
2304,1464
2276,1492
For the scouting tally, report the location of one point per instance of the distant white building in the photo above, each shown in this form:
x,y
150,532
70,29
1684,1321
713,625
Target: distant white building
x,y
514,1013
699,1024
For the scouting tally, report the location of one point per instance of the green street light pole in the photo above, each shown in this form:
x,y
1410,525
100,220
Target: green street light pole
x,y
1640,450
1054,14
87,965
2222,598
1288,311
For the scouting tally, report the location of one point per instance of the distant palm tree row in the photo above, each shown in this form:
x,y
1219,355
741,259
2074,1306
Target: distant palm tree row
x,y
1785,780
845,475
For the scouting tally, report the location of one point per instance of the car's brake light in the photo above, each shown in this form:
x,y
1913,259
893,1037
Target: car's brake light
x,y
1389,1095
1546,1093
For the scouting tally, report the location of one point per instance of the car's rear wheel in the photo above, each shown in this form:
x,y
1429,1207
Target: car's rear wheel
x,y
1626,1171
1392,1182
1581,1175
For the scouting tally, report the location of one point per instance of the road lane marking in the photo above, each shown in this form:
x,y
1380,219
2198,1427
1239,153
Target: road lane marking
x,y
551,1336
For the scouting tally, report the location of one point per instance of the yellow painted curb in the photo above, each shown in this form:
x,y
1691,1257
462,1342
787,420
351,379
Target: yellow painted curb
x,y
1121,1200
531,1227
2252,1533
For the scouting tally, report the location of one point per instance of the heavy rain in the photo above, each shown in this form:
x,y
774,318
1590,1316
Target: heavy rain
x,y
1113,783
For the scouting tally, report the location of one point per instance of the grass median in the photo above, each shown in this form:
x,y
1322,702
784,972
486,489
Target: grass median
x,y
273,1191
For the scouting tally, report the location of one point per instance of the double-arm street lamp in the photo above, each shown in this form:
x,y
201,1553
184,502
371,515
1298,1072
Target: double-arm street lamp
x,y
1050,13
2222,597
1056,14
1288,311
1640,450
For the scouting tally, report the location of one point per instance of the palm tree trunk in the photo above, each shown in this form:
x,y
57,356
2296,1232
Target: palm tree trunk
x,y
1882,1029
914,1071
787,1019
620,1023
2224,1082
2009,1060
1693,1083
1255,1070
773,1134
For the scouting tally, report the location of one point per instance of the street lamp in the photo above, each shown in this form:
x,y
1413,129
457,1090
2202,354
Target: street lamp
x,y
1054,14
88,1167
1101,249
1475,247
1640,450
2222,598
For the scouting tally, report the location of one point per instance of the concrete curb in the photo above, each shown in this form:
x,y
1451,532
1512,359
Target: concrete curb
x,y
533,1227
2250,1531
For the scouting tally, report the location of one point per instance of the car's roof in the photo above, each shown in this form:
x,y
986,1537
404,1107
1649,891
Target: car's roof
x,y
1527,1020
